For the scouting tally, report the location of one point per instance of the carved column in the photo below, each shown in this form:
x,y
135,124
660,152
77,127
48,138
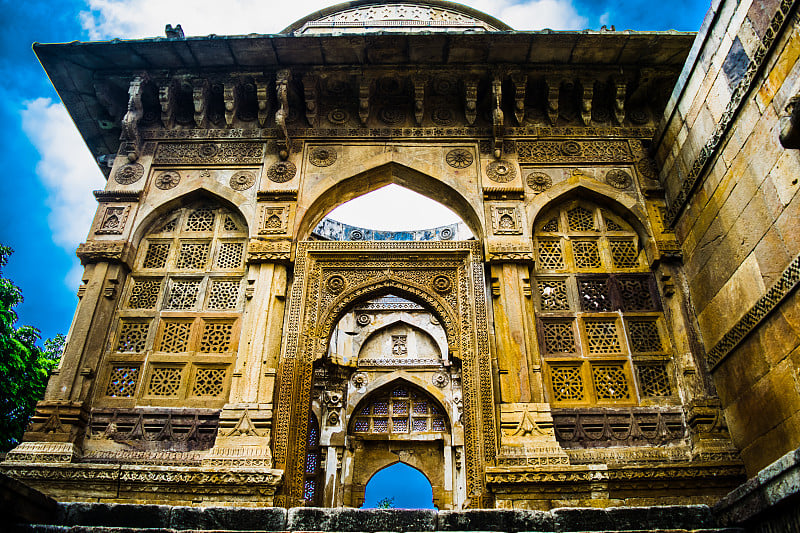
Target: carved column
x,y
245,427
63,414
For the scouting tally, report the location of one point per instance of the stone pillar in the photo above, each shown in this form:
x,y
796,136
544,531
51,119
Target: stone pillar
x,y
244,436
58,426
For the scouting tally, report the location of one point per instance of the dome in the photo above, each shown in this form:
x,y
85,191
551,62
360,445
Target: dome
x,y
368,16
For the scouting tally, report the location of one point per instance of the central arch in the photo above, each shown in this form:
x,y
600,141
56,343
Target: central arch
x,y
380,175
330,277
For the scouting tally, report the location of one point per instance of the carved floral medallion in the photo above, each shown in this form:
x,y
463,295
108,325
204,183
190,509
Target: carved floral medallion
x,y
130,173
282,171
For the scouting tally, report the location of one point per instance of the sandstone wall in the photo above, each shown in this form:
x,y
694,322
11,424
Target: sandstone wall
x,y
732,196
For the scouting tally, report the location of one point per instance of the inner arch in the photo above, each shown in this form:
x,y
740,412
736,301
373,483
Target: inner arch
x,y
400,485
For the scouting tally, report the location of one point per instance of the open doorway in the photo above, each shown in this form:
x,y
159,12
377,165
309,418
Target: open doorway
x,y
398,486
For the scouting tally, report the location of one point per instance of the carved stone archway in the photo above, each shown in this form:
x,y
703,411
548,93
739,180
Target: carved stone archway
x,y
330,277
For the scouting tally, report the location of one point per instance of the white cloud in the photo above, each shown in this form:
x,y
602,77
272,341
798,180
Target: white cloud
x,y
108,19
67,171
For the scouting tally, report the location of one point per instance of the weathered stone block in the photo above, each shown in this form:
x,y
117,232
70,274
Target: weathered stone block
x,y
581,519
114,515
511,520
343,519
660,517
232,518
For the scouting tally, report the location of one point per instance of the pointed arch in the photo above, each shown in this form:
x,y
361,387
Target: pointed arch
x,y
440,346
390,380
380,287
426,488
181,197
382,174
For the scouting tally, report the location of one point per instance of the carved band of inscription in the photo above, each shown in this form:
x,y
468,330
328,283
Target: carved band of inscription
x,y
230,153
790,279
551,151
735,104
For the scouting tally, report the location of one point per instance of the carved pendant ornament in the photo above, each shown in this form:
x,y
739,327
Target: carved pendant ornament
x,y
501,171
282,171
459,158
242,180
168,179
130,173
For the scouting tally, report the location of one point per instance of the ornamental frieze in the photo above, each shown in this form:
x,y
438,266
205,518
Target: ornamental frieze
x,y
268,251
584,151
213,153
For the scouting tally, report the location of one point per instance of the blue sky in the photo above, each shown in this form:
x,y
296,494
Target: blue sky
x,y
48,175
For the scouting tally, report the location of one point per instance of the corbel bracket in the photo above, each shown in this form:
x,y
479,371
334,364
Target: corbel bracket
x,y
282,80
131,140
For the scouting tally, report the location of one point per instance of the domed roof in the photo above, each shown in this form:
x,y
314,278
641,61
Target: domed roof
x,y
367,16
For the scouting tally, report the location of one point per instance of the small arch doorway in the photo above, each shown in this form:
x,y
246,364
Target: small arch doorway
x,y
399,486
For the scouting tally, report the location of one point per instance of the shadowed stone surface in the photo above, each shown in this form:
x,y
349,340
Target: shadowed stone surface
x,y
232,518
114,515
495,520
318,519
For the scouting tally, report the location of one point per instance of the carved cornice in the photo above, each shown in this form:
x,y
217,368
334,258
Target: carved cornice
x,y
738,99
788,282
104,252
269,251
117,196
288,195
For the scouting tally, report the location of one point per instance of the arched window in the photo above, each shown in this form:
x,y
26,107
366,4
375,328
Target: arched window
x,y
599,311
179,314
399,410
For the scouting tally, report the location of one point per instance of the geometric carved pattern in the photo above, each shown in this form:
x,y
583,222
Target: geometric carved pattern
x,y
208,382
230,255
551,225
559,336
553,294
201,219
550,256
229,224
182,294
223,295
624,253
586,254
144,293
175,338
567,383
635,292
193,255
217,337
601,336
132,337
156,256
595,294
122,382
654,380
580,219
644,336
164,381
375,415
610,382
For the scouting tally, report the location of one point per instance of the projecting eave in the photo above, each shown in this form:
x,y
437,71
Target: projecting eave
x,y
78,69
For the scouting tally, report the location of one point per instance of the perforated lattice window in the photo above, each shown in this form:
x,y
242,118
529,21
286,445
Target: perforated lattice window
x,y
553,294
224,294
156,256
217,337
201,219
610,382
193,255
144,293
208,382
122,381
559,336
399,411
567,383
602,336
175,337
186,288
587,254
132,337
164,381
183,294
550,255
597,300
624,253
644,335
654,380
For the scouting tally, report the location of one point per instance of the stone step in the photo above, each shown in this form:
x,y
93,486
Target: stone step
x,y
118,518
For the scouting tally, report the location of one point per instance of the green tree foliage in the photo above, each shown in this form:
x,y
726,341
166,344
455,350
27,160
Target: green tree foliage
x,y
24,367
385,503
